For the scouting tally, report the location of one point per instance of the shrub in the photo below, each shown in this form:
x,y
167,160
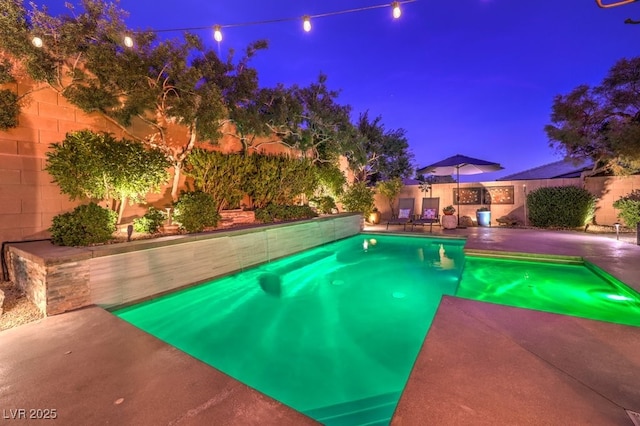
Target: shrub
x,y
276,212
629,207
85,225
196,210
560,206
324,204
150,222
358,198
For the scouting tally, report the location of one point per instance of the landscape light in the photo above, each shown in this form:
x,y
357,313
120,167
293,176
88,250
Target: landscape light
x,y
128,41
217,33
396,9
36,41
617,225
306,23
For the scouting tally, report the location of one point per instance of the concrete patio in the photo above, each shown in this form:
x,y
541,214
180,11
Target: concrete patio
x,y
480,363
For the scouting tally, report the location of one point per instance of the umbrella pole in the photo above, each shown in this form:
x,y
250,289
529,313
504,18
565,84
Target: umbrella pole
x,y
458,192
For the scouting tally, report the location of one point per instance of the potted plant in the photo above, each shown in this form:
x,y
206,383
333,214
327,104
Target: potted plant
x,y
374,216
449,210
483,215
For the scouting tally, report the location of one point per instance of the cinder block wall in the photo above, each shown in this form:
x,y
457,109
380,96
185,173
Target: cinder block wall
x,y
28,198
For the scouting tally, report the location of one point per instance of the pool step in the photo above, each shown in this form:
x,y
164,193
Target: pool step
x,y
372,411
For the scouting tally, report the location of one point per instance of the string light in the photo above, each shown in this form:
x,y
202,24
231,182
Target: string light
x,y
396,9
306,22
306,19
217,33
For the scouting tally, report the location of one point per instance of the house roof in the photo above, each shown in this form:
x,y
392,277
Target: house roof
x,y
566,168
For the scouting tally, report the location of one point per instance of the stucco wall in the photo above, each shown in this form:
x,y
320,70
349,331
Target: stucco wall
x,y
606,189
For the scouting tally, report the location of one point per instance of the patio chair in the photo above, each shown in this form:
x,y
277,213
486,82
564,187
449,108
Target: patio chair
x,y
429,214
405,213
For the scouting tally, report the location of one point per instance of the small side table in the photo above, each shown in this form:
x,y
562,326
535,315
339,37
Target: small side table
x,y
449,221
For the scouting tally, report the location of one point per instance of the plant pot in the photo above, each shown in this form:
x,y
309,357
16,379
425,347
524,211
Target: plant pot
x,y
484,218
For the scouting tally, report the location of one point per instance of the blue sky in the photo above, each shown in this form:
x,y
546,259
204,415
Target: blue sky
x,y
474,77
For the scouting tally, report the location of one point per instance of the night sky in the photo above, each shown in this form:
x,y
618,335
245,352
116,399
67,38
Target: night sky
x,y
474,77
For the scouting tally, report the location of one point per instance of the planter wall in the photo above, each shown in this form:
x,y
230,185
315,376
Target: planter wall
x,y
59,279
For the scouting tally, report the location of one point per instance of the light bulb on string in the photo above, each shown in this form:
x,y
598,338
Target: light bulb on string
x,y
396,9
128,41
306,23
217,33
36,41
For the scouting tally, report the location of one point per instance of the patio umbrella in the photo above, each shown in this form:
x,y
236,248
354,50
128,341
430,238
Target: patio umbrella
x,y
460,165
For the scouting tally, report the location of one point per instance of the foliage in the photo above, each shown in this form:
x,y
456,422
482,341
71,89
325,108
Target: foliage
x,y
560,206
316,124
629,207
601,123
279,179
195,210
222,176
276,213
85,225
9,109
97,166
324,204
161,83
390,190
151,222
483,209
331,180
376,154
358,198
449,209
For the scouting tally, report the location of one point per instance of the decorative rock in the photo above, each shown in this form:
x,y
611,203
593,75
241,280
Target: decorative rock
x,y
466,221
507,221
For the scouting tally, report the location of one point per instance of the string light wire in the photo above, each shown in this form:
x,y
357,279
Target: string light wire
x,y
297,18
306,19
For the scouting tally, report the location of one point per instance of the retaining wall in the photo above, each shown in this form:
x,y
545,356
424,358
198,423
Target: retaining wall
x,y
60,279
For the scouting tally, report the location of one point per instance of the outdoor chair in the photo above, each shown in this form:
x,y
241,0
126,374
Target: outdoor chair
x,y
429,214
405,213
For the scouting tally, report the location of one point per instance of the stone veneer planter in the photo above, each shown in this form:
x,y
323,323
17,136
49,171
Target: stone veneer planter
x,y
59,279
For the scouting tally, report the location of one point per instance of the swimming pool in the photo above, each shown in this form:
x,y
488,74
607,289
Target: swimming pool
x,y
334,331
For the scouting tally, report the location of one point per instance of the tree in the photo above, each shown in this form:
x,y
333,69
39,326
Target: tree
x,y
99,167
316,124
390,190
82,57
377,154
601,123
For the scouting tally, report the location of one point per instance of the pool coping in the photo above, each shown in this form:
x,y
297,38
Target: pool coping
x,y
520,366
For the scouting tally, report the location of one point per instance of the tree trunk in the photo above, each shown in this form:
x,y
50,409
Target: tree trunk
x,y
123,203
176,179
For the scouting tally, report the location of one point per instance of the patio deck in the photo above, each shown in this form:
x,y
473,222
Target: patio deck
x,y
480,363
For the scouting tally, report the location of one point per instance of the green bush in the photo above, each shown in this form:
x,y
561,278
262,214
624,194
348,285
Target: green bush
x,y
324,204
629,207
560,207
276,212
150,222
85,225
195,211
358,198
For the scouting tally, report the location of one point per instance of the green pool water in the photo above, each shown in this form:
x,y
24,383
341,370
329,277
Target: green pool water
x,y
334,331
